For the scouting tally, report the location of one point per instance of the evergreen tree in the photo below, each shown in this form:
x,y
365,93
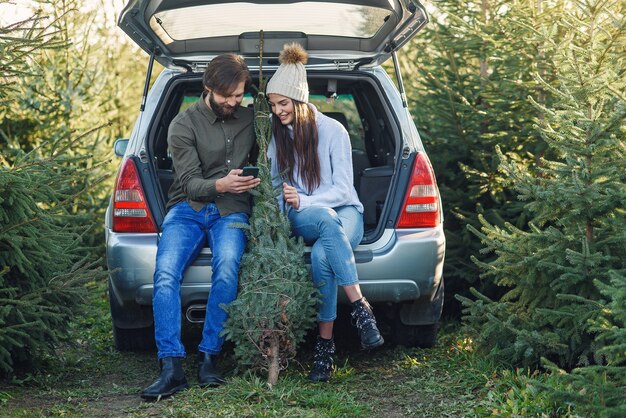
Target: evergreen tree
x,y
473,67
610,325
93,78
275,307
18,41
553,273
43,269
598,390
90,82
41,284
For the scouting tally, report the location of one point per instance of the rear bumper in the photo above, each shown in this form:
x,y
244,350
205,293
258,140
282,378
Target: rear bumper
x,y
402,266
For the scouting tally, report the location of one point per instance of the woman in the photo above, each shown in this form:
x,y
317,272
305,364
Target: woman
x,y
312,151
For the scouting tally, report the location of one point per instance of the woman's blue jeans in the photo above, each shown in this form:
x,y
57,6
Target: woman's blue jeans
x,y
333,234
185,233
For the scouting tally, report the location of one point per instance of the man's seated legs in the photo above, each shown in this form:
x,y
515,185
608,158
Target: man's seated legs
x,y
227,243
181,241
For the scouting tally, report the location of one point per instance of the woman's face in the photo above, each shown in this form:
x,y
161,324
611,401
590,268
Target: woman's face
x,y
282,107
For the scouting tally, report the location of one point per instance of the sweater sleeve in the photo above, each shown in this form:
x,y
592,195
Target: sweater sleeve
x,y
340,154
182,146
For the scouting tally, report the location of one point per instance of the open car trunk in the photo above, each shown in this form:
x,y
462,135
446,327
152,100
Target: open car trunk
x,y
353,98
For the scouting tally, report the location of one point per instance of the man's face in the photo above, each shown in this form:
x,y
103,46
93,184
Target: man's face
x,y
225,106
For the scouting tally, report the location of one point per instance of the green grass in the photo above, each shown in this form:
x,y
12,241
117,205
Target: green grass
x,y
90,378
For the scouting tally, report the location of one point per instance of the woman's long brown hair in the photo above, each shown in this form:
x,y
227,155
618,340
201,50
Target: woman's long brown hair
x,y
303,147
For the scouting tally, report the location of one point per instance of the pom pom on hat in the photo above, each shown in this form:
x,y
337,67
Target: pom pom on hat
x,y
293,54
290,77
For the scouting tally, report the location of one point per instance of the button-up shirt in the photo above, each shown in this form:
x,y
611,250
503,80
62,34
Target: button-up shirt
x,y
204,149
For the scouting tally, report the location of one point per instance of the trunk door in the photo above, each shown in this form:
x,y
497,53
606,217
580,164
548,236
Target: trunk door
x,y
337,34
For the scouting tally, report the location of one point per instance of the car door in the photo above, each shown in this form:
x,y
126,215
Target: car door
x,y
338,34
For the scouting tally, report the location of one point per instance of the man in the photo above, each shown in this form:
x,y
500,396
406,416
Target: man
x,y
209,142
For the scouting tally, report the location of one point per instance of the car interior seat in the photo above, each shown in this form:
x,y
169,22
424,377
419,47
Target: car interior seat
x,y
360,161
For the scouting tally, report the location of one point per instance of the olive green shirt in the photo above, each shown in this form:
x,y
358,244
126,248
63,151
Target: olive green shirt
x,y
205,149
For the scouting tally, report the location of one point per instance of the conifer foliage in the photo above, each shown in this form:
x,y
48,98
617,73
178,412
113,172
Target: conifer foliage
x,y
564,274
44,264
86,77
275,307
473,66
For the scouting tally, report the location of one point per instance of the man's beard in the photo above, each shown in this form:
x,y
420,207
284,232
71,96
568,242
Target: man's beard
x,y
223,111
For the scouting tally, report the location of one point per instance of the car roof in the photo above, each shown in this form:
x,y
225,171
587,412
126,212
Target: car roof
x,y
189,32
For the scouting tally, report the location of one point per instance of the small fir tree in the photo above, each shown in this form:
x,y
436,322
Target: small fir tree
x,y
473,67
275,307
92,78
44,263
44,266
598,389
610,325
553,272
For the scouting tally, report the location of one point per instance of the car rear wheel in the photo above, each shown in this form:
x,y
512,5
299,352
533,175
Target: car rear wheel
x,y
423,336
133,339
134,335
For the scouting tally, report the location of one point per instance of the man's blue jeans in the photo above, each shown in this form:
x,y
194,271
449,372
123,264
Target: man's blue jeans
x,y
333,233
185,233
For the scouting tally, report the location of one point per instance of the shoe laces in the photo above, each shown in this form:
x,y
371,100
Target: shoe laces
x,y
362,315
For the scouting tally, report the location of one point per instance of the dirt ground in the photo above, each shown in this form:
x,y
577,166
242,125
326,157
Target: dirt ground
x,y
91,379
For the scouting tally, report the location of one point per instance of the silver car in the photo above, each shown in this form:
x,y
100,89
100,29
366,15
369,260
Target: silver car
x,y
400,259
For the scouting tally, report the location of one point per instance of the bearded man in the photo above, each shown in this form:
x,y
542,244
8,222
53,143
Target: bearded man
x,y
209,143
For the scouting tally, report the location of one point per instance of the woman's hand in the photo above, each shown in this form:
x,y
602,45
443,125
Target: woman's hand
x,y
235,183
291,196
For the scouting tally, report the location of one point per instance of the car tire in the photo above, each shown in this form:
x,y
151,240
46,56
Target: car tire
x,y
135,336
133,339
423,336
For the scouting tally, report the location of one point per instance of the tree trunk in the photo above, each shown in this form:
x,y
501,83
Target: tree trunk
x,y
274,369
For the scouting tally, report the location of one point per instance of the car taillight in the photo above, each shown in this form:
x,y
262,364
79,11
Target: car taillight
x,y
130,211
421,203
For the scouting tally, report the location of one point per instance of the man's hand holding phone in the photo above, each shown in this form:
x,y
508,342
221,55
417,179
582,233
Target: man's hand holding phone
x,y
237,181
250,171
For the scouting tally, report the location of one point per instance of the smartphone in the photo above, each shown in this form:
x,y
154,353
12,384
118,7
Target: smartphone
x,y
250,171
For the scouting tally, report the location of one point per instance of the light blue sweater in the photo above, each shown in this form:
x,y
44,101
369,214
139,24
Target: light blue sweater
x,y
335,155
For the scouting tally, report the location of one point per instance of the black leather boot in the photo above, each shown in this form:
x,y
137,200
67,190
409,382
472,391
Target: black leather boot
x,y
171,380
322,360
363,319
208,375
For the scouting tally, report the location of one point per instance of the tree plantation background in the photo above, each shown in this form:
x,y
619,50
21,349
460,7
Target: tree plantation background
x,y
520,105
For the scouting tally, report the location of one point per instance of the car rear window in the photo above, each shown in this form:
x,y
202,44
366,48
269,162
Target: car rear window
x,y
339,107
232,19
190,99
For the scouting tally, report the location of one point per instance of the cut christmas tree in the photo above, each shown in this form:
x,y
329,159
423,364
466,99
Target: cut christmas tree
x,y
275,307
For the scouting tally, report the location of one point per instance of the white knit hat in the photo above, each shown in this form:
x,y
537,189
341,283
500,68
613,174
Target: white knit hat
x,y
290,78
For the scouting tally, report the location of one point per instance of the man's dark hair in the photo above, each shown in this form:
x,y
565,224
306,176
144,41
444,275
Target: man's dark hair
x,y
225,72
